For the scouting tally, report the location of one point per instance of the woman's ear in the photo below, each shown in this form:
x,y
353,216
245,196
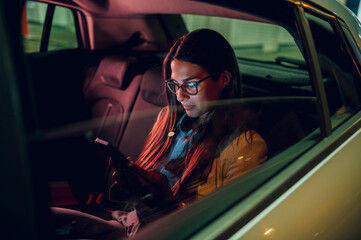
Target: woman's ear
x,y
225,78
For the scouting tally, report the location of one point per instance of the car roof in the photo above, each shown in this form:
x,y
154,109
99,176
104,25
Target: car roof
x,y
116,8
124,8
134,8
222,8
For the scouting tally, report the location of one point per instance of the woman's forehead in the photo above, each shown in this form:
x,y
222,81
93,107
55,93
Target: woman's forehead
x,y
183,71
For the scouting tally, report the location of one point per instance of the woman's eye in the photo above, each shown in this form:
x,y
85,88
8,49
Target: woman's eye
x,y
192,84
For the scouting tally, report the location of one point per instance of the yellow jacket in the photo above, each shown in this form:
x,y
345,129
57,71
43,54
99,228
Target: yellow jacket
x,y
243,154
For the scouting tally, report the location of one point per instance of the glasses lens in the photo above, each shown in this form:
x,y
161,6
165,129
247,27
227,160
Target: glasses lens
x,y
172,87
190,88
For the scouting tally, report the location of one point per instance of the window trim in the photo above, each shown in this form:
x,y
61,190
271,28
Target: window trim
x,y
345,37
315,70
45,36
81,29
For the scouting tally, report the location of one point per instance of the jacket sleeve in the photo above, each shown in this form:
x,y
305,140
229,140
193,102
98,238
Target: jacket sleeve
x,y
243,154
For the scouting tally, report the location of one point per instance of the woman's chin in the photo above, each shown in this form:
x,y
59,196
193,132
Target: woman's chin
x,y
192,114
195,114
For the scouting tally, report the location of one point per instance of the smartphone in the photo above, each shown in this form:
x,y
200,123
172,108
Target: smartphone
x,y
117,158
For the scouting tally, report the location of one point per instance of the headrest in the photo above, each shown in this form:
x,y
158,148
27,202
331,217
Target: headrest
x,y
111,71
152,87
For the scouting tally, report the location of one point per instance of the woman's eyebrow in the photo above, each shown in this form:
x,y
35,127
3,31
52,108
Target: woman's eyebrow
x,y
188,78
184,80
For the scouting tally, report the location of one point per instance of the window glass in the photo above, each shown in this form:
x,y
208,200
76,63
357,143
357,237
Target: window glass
x,y
32,25
63,34
338,71
277,89
275,78
252,40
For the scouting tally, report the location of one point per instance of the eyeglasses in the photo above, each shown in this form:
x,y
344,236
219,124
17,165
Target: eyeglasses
x,y
190,88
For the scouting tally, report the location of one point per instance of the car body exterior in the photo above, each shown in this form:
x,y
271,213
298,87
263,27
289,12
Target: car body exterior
x,y
310,188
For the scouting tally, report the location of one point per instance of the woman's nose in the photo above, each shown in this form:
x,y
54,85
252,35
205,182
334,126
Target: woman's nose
x,y
181,95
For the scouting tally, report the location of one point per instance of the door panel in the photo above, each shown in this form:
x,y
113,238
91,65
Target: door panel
x,y
324,204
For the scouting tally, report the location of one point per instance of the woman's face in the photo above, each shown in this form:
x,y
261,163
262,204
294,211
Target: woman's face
x,y
208,90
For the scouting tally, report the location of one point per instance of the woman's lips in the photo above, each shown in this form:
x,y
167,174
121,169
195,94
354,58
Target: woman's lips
x,y
186,107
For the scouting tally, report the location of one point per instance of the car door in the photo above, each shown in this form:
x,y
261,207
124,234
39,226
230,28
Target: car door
x,y
317,196
323,202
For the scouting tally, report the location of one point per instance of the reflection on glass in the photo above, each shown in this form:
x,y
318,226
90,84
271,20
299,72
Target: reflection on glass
x,y
245,37
268,232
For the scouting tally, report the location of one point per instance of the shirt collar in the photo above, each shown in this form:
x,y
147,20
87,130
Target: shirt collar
x,y
184,123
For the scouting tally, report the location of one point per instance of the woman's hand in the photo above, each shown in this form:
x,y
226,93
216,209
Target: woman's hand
x,y
150,186
124,179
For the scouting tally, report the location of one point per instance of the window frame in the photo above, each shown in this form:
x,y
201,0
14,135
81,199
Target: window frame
x,y
315,70
347,38
337,25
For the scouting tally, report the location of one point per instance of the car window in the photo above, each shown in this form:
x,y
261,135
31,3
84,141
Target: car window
x,y
275,77
33,22
254,40
340,77
62,31
63,34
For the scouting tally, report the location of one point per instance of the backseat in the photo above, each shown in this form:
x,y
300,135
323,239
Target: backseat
x,y
284,122
136,100
81,96
111,92
125,94
150,100
122,96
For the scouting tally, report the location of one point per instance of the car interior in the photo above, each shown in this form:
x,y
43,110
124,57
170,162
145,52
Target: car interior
x,y
114,90
116,93
94,70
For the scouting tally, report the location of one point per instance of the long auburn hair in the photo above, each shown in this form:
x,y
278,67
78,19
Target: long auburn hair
x,y
212,52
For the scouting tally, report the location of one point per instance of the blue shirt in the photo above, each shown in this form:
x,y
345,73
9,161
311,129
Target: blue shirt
x,y
178,150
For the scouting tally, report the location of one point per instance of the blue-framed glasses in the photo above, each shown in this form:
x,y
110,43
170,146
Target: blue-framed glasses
x,y
190,88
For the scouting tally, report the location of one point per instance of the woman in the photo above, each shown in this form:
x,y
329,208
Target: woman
x,y
196,145
199,70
